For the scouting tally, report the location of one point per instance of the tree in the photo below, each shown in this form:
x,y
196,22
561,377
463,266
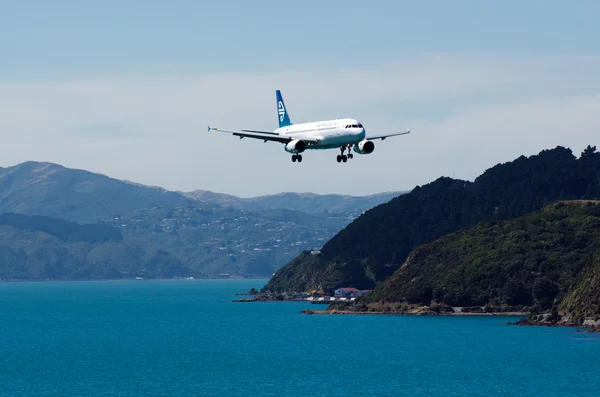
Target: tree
x,y
589,150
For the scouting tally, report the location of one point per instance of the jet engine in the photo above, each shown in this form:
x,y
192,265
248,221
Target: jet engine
x,y
295,146
364,147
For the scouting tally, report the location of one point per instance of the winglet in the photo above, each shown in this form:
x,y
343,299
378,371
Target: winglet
x,y
208,127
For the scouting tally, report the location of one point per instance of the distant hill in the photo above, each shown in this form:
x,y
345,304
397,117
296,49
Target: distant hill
x,y
34,188
304,202
39,248
530,263
205,233
374,245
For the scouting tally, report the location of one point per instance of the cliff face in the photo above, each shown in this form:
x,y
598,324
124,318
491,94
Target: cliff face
x,y
583,301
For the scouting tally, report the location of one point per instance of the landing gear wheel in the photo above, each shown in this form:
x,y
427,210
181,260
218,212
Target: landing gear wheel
x,y
299,157
344,158
339,158
350,156
294,157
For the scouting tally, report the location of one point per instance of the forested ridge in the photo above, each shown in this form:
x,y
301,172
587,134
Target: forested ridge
x,y
375,245
531,263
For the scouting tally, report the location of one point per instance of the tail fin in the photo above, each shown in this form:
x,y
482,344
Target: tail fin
x,y
284,118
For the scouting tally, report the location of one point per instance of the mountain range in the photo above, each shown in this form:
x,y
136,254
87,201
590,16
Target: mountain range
x,y
200,234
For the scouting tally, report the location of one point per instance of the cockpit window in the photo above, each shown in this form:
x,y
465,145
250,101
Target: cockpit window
x,y
360,125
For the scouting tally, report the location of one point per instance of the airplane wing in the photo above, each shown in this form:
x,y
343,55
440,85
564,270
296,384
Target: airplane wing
x,y
264,135
382,137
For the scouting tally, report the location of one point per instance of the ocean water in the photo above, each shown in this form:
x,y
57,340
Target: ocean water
x,y
186,338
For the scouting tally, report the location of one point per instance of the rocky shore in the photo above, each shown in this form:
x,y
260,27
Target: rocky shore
x,y
526,321
416,310
409,313
435,309
546,320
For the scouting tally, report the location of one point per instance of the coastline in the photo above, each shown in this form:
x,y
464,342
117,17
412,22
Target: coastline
x,y
344,308
428,313
523,322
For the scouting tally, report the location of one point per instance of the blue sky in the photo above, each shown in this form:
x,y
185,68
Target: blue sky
x,y
126,88
61,39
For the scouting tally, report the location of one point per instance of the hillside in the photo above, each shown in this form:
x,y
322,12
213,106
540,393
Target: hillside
x,y
40,248
62,229
211,240
205,233
205,240
530,263
375,244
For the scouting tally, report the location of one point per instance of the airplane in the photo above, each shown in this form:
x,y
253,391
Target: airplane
x,y
329,134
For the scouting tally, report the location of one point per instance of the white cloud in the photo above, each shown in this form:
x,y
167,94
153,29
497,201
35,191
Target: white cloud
x,y
152,129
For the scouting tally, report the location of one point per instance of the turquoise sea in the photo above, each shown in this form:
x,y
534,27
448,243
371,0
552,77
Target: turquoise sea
x,y
186,338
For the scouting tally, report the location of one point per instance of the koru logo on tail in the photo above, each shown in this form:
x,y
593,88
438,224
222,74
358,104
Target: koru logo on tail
x,y
281,110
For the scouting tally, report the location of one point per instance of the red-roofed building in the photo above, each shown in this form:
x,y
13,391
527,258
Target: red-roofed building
x,y
347,292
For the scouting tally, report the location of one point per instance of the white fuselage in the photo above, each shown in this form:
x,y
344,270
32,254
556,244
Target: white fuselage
x,y
330,133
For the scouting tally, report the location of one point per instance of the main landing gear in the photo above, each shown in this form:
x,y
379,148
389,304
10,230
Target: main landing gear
x,y
296,157
343,157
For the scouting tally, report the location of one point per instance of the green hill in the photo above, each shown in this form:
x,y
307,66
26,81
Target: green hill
x,y
374,245
40,248
62,229
531,263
